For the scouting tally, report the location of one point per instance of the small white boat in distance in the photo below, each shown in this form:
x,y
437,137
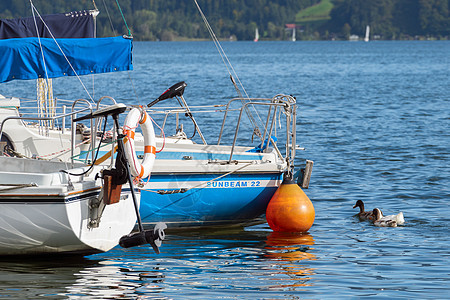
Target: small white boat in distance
x,y
366,37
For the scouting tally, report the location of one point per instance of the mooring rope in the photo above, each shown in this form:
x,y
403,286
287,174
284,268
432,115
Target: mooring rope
x,y
12,186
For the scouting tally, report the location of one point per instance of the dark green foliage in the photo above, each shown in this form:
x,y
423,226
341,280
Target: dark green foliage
x,y
180,19
392,18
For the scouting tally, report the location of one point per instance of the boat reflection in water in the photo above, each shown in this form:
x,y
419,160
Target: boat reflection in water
x,y
111,279
290,251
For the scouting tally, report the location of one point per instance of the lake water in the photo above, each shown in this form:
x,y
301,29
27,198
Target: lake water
x,y
374,117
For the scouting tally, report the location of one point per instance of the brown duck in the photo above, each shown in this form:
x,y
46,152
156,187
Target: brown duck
x,y
363,215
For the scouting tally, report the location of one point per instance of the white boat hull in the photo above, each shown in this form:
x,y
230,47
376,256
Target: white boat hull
x,y
55,216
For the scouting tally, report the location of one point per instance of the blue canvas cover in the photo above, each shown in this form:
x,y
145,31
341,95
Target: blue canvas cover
x,y
22,58
78,24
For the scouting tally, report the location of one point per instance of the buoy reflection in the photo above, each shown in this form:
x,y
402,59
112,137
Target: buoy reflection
x,y
291,252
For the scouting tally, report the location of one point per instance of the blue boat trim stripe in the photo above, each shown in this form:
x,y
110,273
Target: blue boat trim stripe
x,y
173,155
210,176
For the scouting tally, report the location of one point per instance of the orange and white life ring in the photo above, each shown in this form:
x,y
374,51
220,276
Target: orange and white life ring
x,y
135,118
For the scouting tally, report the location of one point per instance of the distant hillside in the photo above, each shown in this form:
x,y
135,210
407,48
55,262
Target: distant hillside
x,y
317,13
238,19
312,19
178,19
391,19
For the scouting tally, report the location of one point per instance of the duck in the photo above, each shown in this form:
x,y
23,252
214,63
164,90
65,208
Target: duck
x,y
381,221
399,218
363,215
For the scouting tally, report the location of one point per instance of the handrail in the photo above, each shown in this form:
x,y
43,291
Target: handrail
x,y
285,101
74,128
239,122
105,97
228,108
98,122
289,104
37,118
189,113
2,124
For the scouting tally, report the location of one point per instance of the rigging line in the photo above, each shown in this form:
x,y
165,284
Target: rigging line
x,y
109,18
42,105
95,36
115,33
123,17
222,53
60,49
226,62
33,8
229,66
214,38
134,88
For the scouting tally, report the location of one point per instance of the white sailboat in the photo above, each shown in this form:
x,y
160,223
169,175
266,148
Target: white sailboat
x,y
366,37
256,35
44,210
62,206
293,35
58,207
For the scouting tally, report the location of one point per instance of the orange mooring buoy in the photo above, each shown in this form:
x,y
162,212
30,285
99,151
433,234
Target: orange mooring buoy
x,y
290,210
